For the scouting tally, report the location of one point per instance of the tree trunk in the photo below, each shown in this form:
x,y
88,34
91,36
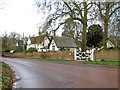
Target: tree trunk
x,y
105,37
84,35
106,20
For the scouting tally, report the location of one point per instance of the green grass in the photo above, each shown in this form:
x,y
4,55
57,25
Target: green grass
x,y
84,62
102,62
49,59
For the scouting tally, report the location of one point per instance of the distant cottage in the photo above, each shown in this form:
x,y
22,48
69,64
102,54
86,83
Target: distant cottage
x,y
50,43
110,44
45,43
62,43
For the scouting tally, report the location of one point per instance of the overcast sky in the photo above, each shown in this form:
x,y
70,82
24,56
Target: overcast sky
x,y
19,16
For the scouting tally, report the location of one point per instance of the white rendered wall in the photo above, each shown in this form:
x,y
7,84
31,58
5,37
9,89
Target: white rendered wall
x,y
53,43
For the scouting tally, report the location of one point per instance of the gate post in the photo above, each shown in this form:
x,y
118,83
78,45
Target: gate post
x,y
75,52
92,54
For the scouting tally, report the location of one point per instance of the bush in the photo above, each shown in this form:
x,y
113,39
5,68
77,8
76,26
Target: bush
x,y
17,51
7,73
7,50
32,50
26,51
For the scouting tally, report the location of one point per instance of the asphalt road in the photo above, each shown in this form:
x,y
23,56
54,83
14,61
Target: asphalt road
x,y
42,74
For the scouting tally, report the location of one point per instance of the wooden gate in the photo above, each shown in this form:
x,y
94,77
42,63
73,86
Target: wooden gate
x,y
87,56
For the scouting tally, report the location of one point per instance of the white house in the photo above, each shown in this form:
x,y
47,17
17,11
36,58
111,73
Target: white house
x,y
35,42
110,44
50,43
45,44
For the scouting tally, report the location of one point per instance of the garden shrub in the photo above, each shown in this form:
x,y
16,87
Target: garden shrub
x,y
7,50
32,50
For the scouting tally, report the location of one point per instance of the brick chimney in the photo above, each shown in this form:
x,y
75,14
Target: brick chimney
x,y
63,34
39,32
70,34
46,32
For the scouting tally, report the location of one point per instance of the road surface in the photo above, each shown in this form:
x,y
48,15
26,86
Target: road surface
x,y
44,74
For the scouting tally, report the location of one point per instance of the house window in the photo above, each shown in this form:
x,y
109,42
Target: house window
x,y
53,48
62,49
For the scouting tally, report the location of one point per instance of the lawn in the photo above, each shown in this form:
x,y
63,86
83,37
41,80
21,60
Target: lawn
x,y
84,62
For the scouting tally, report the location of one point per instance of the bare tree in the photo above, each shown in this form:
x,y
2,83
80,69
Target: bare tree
x,y
67,11
114,32
107,10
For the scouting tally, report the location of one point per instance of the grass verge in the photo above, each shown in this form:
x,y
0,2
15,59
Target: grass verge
x,y
84,62
49,59
102,62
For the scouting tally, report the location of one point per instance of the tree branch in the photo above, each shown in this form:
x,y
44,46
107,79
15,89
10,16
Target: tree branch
x,y
67,5
76,18
114,11
90,7
100,10
71,15
91,3
112,4
61,24
80,11
60,15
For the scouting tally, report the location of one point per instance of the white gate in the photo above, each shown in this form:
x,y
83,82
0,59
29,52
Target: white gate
x,y
88,55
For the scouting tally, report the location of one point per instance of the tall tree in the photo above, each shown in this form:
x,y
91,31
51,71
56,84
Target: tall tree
x,y
66,11
107,10
94,35
15,38
13,41
71,30
114,32
5,42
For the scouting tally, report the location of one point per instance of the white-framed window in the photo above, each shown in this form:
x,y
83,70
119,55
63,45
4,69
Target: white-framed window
x,y
53,47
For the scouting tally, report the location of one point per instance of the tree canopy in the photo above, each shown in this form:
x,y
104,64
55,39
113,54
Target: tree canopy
x,y
80,12
107,10
67,12
94,36
13,41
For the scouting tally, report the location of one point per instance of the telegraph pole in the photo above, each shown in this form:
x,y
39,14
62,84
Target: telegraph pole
x,y
23,44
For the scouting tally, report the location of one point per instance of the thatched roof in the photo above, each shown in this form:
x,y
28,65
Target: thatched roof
x,y
37,40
